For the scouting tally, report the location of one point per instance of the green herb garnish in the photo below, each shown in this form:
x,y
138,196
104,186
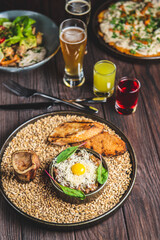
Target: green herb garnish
x,y
37,50
73,192
113,6
102,173
113,21
149,40
69,191
122,20
132,51
67,153
118,26
126,33
158,39
114,35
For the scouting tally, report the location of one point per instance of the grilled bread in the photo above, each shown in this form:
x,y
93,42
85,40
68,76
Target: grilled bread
x,y
74,132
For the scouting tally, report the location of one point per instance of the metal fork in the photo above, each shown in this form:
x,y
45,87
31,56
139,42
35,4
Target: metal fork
x,y
27,92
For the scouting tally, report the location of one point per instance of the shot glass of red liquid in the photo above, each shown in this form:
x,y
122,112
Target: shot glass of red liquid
x,y
127,95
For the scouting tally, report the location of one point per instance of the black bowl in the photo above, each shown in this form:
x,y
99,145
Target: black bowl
x,y
43,24
90,196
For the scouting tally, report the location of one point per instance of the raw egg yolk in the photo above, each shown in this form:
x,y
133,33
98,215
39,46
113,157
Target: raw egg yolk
x,y
78,169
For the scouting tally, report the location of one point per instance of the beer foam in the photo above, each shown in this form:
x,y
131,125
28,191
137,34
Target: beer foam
x,y
73,35
78,7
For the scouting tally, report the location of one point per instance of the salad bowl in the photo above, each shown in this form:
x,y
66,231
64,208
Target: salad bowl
x,y
42,24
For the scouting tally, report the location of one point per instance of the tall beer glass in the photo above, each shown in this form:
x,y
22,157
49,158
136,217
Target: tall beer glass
x,y
80,9
73,39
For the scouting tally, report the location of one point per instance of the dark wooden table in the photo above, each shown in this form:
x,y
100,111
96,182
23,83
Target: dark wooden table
x,y
139,217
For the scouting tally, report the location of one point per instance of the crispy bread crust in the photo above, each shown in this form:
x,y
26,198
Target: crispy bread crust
x,y
72,132
106,144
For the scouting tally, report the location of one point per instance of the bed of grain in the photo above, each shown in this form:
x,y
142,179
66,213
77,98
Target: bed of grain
x,y
37,198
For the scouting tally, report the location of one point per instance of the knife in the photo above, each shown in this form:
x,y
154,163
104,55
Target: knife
x,y
89,100
41,105
20,106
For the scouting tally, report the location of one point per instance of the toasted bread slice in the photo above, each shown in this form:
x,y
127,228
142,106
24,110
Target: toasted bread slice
x,y
71,132
106,144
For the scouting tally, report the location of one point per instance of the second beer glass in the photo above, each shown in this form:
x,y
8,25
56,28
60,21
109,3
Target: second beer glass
x,y
73,39
80,9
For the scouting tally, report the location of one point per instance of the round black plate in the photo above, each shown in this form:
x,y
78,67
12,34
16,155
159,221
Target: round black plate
x,y
94,26
68,226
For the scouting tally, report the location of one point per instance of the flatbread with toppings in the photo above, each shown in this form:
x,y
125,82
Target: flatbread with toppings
x,y
132,27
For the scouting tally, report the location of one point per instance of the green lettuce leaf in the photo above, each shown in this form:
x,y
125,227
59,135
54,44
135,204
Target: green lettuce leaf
x,y
2,20
18,31
25,23
28,26
12,40
29,42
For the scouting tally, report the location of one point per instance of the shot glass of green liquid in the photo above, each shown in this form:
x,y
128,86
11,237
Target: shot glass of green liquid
x,y
104,78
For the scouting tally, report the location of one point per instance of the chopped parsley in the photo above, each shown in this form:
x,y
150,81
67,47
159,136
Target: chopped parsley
x,y
119,26
114,35
122,20
113,21
130,19
33,61
139,45
113,6
138,29
37,50
126,33
132,51
158,39
149,40
150,10
136,35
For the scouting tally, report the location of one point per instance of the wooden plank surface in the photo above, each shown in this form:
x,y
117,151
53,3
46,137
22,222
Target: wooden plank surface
x,y
139,217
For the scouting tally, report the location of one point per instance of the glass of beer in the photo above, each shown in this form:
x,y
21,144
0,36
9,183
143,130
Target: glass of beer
x,y
73,39
80,9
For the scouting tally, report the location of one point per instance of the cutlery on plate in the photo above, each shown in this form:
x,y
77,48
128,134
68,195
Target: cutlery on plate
x,y
26,92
